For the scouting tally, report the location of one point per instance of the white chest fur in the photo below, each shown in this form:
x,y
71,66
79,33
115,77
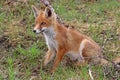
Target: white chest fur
x,y
49,37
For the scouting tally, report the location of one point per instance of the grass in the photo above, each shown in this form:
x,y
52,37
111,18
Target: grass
x,y
11,74
22,51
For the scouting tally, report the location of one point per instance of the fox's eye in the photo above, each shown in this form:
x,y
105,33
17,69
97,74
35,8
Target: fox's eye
x,y
43,23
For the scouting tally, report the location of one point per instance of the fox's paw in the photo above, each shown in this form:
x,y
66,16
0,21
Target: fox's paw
x,y
52,71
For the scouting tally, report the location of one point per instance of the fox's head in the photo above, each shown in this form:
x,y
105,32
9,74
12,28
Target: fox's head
x,y
43,19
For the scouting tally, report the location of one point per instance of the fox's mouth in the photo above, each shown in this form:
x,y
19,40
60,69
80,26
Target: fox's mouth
x,y
38,31
41,31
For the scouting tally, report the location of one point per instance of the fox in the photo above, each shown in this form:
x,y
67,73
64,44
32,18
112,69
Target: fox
x,y
62,41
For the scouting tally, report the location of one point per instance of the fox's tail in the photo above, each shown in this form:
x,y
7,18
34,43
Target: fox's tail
x,y
105,61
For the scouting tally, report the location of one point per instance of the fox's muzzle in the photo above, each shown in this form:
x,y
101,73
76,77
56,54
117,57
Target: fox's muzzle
x,y
38,31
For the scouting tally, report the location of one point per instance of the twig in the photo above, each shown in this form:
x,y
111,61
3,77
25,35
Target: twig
x,y
47,4
90,73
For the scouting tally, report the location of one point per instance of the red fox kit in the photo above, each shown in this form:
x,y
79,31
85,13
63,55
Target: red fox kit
x,y
63,41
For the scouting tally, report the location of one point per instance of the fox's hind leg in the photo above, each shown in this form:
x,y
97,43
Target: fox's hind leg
x,y
81,60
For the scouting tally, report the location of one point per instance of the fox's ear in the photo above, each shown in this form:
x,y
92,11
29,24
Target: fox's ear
x,y
35,11
48,12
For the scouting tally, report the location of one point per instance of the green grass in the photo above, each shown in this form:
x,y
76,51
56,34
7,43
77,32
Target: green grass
x,y
31,52
22,51
1,78
11,71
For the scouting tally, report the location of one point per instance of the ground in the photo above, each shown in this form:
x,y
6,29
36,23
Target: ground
x,y
22,51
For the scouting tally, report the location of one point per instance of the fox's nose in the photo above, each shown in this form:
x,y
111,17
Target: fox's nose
x,y
34,31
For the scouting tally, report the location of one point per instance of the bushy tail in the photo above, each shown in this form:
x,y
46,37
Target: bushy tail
x,y
105,61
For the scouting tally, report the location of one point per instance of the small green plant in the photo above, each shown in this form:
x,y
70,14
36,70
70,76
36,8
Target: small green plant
x,y
1,77
11,71
32,52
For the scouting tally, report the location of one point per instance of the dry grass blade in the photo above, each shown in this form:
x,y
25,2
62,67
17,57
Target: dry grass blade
x,y
90,73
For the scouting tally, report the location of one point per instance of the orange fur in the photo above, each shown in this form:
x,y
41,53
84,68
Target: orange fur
x,y
63,41
116,60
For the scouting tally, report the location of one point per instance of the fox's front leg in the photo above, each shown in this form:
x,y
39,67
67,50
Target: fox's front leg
x,y
58,59
48,57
